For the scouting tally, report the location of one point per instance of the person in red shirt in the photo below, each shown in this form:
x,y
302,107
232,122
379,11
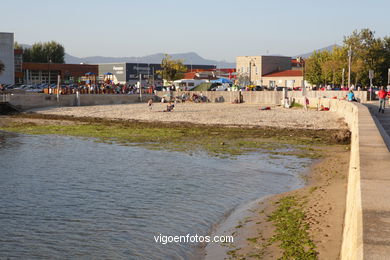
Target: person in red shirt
x,y
382,99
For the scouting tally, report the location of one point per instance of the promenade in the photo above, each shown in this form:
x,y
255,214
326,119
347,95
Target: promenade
x,y
384,120
367,218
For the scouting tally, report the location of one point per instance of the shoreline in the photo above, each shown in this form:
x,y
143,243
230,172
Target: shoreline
x,y
265,205
324,215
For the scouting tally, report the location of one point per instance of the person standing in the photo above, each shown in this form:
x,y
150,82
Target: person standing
x,y
150,104
382,99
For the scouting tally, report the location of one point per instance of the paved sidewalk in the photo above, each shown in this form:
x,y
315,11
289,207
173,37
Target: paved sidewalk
x,y
383,119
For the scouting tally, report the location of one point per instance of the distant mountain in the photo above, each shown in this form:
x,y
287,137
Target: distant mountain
x,y
189,58
327,48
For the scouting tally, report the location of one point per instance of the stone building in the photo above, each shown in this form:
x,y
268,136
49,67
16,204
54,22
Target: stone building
x,y
7,58
270,71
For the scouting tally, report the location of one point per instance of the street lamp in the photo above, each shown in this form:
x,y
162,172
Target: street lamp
x,y
388,77
251,63
349,66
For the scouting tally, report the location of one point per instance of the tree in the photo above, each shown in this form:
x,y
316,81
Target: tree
x,y
243,79
368,53
171,69
45,52
386,43
17,46
313,70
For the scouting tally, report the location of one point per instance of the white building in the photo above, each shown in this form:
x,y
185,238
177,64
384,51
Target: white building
x,y
7,58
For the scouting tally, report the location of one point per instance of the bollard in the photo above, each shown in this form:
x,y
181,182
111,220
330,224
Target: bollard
x,y
78,98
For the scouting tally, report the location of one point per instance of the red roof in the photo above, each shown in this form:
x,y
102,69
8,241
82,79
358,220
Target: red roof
x,y
285,73
295,61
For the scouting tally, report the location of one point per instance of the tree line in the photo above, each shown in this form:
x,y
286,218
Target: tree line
x,y
368,53
43,52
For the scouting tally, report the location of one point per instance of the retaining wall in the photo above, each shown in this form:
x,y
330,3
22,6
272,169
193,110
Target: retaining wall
x,y
366,233
35,100
212,96
264,97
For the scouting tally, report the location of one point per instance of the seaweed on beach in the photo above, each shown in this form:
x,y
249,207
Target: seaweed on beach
x,y
215,140
292,230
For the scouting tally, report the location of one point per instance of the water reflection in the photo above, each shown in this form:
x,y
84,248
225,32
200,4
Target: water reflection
x,y
62,197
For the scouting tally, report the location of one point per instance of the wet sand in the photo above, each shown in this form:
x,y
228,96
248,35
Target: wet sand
x,y
325,194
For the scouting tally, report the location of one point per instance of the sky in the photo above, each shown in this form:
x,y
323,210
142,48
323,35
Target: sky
x,y
215,29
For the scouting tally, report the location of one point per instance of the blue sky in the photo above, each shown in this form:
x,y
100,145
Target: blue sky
x,y
215,29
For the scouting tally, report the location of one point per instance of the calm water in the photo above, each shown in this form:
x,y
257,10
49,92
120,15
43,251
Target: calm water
x,y
67,198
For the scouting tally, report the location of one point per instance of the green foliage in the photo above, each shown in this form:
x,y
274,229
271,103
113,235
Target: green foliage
x,y
243,80
368,53
204,86
292,231
17,45
313,69
297,105
45,52
171,69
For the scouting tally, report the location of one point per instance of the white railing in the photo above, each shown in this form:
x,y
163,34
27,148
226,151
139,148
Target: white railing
x,y
5,97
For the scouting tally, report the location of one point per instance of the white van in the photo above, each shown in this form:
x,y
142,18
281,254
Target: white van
x,y
188,84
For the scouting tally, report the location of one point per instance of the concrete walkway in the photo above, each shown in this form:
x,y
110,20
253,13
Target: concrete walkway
x,y
382,120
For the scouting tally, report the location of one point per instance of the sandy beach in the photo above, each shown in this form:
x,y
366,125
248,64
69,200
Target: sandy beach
x,y
324,197
209,113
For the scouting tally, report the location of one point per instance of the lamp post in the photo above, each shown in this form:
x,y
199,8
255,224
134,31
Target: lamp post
x,y
388,77
371,76
251,63
140,87
349,66
250,71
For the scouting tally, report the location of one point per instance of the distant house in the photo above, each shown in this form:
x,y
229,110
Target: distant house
x,y
271,71
285,78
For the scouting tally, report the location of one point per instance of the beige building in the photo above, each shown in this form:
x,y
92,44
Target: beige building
x,y
255,67
286,78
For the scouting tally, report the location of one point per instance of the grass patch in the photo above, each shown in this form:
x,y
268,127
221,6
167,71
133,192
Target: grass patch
x,y
313,189
297,105
291,230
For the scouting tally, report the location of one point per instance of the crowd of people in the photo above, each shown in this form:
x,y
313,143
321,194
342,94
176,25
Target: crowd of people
x,y
102,89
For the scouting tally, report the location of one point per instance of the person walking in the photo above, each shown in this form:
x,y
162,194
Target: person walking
x,y
382,99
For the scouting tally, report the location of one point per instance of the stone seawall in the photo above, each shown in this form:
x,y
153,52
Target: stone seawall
x,y
35,100
264,97
366,232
